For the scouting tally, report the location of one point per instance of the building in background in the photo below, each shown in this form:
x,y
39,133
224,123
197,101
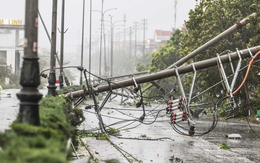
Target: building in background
x,y
11,44
160,38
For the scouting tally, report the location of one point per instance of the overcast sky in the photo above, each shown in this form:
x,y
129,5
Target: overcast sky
x,y
159,15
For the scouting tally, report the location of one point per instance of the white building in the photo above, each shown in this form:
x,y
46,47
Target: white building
x,y
11,44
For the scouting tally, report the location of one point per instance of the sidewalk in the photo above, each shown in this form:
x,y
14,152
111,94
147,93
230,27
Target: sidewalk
x,y
9,109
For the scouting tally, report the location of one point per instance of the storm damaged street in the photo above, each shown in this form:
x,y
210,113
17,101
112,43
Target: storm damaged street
x,y
154,140
158,142
120,81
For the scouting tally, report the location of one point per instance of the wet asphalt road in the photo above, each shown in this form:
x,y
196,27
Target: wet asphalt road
x,y
189,149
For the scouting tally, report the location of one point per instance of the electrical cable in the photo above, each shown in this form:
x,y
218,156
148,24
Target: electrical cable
x,y
219,82
102,127
221,100
252,128
247,72
215,117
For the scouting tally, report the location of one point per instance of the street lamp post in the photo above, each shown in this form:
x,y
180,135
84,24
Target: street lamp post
x,y
30,79
90,26
82,41
102,17
111,59
100,55
105,56
62,45
112,35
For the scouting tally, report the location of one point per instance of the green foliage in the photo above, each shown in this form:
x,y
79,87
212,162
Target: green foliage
x,y
35,149
142,67
100,136
143,136
206,21
112,161
6,72
113,131
175,159
168,54
76,117
223,146
44,143
123,62
255,102
143,62
67,89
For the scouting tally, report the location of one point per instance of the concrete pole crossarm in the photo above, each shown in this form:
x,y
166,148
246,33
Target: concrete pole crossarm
x,y
128,75
171,72
158,86
123,95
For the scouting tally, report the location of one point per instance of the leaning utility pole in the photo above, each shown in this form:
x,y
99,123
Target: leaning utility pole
x,y
30,79
144,23
52,76
62,45
211,42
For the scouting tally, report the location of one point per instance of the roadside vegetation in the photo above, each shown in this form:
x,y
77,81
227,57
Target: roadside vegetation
x,y
47,142
207,20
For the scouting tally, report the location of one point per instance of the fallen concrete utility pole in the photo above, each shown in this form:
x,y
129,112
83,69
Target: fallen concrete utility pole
x,y
210,43
122,76
128,75
168,73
